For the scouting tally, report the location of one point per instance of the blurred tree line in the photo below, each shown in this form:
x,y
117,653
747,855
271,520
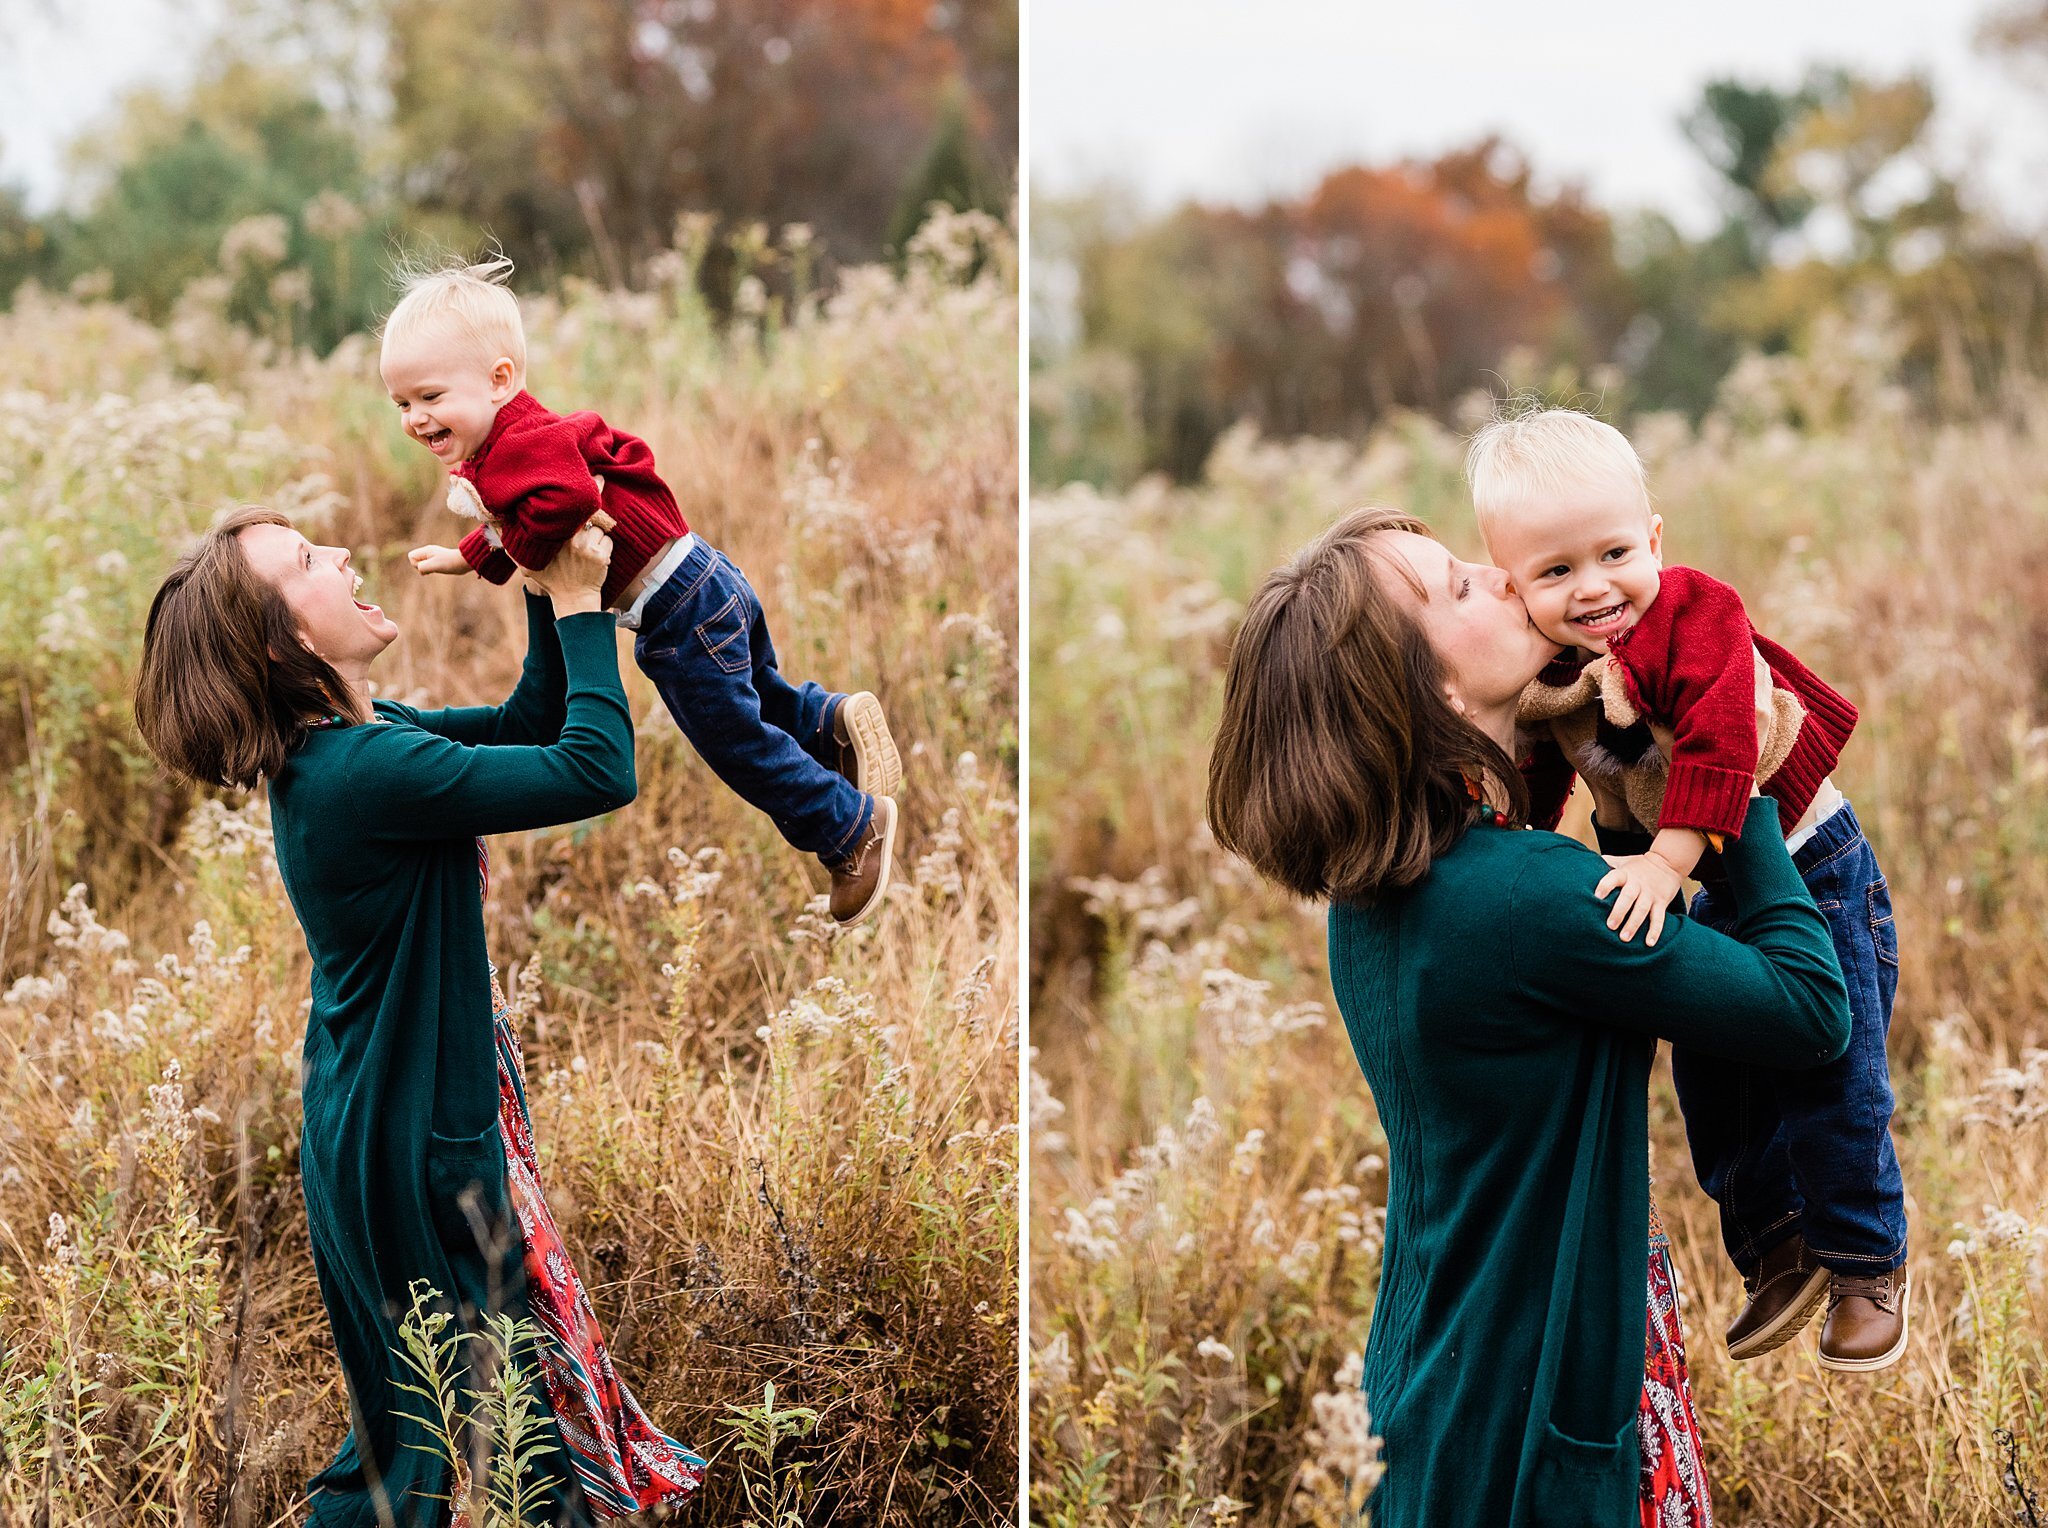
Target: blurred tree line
x,y
1410,285
323,137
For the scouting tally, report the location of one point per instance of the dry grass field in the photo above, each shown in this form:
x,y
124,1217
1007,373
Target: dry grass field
x,y
784,1156
1207,1177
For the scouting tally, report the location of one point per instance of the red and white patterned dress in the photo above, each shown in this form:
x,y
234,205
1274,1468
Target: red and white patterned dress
x,y
1674,1479
622,1460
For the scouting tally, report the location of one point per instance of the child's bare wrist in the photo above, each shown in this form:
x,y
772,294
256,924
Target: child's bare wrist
x,y
1664,859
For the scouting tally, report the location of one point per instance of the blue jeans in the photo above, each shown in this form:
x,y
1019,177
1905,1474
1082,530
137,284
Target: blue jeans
x,y
1810,1151
704,642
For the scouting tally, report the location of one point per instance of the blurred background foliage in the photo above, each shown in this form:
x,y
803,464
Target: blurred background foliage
x,y
1391,287
328,136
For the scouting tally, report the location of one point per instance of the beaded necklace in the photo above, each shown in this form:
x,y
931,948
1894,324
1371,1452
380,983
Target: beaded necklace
x,y
1489,814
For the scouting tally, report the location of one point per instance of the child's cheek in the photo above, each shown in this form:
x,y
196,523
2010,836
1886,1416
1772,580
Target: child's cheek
x,y
1548,614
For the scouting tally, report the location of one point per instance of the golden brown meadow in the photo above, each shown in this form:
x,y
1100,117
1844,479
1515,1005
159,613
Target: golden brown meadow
x,y
1207,1171
785,1156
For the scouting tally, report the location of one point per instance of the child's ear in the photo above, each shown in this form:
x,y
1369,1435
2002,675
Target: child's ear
x,y
504,379
1656,535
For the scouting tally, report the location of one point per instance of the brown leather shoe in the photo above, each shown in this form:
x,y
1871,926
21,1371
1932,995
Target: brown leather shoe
x,y
867,754
1784,1293
858,885
1866,1325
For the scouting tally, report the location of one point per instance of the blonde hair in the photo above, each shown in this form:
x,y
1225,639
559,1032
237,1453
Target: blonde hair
x,y
1525,455
472,299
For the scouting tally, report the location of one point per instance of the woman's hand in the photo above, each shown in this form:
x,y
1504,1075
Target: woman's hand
x,y
574,577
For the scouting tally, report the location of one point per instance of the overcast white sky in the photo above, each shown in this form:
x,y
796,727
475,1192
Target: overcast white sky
x,y
64,62
1234,100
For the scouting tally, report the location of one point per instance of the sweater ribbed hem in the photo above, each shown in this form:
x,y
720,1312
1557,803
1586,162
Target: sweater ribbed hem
x,y
1706,799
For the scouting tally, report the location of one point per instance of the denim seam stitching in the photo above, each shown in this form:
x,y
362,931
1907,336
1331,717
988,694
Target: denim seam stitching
x,y
1862,1257
710,566
839,850
1822,864
713,651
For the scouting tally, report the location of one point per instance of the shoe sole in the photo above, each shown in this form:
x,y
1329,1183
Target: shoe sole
x,y
1790,1323
1887,1358
878,767
882,803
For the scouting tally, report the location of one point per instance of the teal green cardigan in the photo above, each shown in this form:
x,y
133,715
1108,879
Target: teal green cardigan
x,y
1506,1034
376,829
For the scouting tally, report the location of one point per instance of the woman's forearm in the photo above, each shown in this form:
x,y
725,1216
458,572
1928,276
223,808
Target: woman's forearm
x,y
413,784
1773,995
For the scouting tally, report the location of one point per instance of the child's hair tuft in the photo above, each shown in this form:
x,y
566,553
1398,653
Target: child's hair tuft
x,y
473,298
1529,452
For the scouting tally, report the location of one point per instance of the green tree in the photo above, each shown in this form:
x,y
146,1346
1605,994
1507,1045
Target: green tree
x,y
176,173
951,171
1737,127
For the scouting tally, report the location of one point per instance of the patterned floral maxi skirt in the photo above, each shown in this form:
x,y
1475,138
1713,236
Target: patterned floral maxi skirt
x,y
1674,1478
622,1460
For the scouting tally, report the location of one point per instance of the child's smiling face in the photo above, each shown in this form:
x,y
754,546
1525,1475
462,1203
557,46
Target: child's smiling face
x,y
1587,566
447,394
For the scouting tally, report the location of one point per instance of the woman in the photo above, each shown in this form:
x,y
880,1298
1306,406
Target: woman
x,y
416,1153
1367,754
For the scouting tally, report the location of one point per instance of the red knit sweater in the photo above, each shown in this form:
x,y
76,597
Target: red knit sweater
x,y
536,472
1687,664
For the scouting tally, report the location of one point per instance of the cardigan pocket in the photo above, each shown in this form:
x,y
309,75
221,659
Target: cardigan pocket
x,y
466,1187
1577,1484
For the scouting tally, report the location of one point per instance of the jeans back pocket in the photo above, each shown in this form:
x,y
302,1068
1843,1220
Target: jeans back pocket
x,y
724,635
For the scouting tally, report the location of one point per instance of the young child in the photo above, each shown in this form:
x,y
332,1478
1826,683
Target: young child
x,y
821,765
1800,1163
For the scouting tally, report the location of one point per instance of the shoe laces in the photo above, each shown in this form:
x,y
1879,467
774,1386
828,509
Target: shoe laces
x,y
1881,1289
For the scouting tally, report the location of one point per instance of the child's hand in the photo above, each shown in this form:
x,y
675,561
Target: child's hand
x,y
1646,884
437,559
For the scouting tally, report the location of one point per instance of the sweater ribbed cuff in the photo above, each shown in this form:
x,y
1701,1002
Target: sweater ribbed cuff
x,y
1706,799
487,557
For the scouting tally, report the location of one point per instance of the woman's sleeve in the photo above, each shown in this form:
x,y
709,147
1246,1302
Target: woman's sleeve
x,y
1772,995
533,712
413,784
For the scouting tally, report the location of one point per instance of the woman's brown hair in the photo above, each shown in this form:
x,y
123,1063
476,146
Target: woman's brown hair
x,y
227,687
1340,765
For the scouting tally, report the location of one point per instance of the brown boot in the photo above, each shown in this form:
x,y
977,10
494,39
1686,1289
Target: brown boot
x,y
858,885
1866,1325
1784,1292
866,753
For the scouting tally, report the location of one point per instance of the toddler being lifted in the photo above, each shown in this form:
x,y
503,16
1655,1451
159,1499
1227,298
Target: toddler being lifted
x,y
1800,1163
821,765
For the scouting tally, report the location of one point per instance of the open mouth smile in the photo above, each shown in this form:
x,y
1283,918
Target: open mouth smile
x,y
436,439
1601,622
